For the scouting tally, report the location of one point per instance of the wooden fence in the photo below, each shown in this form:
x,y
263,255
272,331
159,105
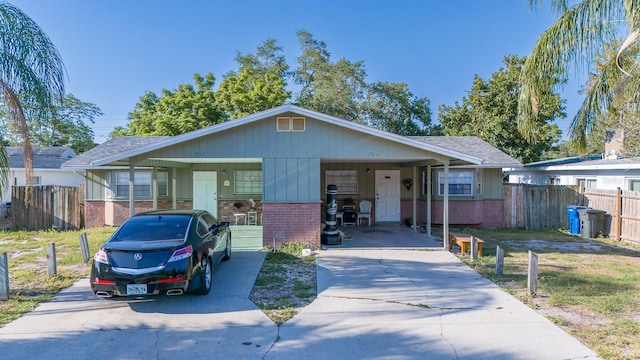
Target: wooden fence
x,y
624,208
534,207
50,207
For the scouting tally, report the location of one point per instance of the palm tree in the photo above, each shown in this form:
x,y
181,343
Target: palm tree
x,y
583,37
31,76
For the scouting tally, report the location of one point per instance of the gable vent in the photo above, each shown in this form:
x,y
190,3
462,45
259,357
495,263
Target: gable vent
x,y
295,123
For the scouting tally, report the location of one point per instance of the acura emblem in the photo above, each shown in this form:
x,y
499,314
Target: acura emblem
x,y
137,256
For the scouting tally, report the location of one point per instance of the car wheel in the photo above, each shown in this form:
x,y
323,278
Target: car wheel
x,y
227,250
206,278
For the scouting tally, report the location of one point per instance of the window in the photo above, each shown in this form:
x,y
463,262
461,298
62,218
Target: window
x,y
162,178
345,180
35,180
634,184
553,180
591,183
460,183
296,123
142,188
202,228
425,184
248,181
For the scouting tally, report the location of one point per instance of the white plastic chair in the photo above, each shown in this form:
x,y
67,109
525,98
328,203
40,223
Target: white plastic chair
x,y
365,211
339,216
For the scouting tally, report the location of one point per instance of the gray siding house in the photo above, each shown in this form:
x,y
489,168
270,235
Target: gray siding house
x,y
282,160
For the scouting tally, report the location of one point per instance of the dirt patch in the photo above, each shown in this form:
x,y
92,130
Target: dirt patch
x,y
566,316
560,246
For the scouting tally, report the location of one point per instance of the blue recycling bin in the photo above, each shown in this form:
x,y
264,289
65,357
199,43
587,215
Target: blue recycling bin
x,y
574,218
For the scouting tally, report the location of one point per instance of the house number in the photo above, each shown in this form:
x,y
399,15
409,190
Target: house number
x,y
198,154
373,154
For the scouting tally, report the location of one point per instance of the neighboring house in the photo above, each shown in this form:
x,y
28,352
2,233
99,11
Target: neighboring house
x,y
283,159
607,171
47,170
589,172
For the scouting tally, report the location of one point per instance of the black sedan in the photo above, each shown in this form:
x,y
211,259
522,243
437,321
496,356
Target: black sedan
x,y
164,251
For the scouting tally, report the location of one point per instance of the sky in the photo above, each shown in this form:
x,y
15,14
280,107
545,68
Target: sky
x,y
116,50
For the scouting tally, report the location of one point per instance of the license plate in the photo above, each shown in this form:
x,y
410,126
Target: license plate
x,y
137,289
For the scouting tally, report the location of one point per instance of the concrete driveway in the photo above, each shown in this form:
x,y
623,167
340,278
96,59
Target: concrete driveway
x,y
78,325
372,304
416,304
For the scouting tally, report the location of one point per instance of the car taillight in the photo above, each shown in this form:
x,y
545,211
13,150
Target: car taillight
x,y
181,254
101,257
98,281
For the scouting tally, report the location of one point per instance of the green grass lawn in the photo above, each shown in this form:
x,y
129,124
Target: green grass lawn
x,y
29,283
591,288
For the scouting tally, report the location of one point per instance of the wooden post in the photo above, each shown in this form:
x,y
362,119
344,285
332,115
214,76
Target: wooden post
x,y
499,261
4,277
618,215
474,248
532,281
84,248
51,259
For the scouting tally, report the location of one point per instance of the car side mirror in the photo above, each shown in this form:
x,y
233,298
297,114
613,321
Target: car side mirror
x,y
225,223
214,229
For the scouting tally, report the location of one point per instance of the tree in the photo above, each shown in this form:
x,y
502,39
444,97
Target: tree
x,y
67,127
392,107
336,89
259,84
31,77
175,112
490,112
622,112
580,37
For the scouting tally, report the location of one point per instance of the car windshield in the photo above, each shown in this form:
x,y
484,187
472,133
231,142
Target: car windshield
x,y
153,228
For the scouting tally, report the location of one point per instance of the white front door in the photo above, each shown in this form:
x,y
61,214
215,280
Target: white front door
x,y
205,191
387,195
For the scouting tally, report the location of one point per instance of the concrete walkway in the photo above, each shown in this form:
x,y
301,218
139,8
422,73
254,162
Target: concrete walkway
x,y
372,304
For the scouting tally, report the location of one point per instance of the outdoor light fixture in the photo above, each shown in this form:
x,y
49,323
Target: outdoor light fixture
x,y
407,183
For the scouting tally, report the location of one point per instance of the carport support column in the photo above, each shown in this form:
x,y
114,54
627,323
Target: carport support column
x,y
154,187
132,174
429,190
174,188
445,211
415,198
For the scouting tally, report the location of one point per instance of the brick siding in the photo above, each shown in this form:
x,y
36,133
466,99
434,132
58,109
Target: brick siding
x,y
226,208
298,222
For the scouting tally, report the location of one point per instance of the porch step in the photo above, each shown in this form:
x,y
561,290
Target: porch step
x,y
246,237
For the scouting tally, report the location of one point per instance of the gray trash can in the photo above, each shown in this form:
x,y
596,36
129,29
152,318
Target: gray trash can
x,y
597,221
585,223
591,222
